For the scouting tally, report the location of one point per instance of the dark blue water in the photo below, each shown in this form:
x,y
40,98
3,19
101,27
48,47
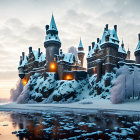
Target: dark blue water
x,y
69,125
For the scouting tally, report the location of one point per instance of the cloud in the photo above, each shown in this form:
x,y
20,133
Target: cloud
x,y
8,75
15,38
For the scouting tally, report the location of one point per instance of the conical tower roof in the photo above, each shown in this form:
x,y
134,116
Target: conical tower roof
x,y
138,46
52,33
52,24
121,49
80,45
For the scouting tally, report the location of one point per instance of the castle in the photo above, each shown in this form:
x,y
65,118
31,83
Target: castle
x,y
103,56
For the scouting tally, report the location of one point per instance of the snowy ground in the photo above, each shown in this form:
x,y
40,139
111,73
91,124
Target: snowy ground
x,y
90,104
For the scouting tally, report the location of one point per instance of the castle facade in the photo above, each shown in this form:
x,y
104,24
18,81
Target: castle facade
x,y
103,56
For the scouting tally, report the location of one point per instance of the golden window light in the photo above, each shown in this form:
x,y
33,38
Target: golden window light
x,y
24,81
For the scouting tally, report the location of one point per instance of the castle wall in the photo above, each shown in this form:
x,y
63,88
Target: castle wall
x,y
99,71
51,52
137,55
93,61
60,71
111,57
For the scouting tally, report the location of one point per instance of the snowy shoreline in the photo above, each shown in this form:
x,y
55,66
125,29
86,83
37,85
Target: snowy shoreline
x,y
84,106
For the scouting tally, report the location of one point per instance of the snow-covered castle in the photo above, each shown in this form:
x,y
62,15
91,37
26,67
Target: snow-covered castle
x,y
102,57
65,65
106,54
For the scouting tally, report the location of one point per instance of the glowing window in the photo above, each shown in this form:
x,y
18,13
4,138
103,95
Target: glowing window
x,y
69,77
24,81
53,67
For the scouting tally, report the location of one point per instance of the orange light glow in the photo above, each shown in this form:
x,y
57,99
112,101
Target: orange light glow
x,y
24,81
53,67
69,77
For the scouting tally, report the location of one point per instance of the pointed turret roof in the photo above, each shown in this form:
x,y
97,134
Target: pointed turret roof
x,y
112,34
52,24
52,33
121,49
80,45
138,46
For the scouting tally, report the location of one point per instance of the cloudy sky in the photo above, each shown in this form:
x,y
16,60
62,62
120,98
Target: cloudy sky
x,y
22,24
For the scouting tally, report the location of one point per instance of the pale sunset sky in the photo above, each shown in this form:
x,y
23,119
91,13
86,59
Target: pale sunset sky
x,y
22,24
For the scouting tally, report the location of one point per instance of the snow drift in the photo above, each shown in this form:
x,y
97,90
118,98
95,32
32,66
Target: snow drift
x,y
40,89
48,90
126,85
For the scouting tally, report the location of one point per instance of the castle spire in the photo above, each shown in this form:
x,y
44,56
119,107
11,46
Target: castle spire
x,y
81,52
138,46
52,24
121,49
80,45
52,32
122,44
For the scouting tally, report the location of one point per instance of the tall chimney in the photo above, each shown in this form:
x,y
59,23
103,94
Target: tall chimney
x,y
139,36
20,60
115,27
38,51
47,27
23,55
89,48
106,27
98,40
93,43
30,50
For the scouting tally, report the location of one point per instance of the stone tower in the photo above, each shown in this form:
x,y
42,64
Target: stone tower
x,y
110,45
137,51
81,53
128,54
52,44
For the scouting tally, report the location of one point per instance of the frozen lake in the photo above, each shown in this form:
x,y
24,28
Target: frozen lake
x,y
68,124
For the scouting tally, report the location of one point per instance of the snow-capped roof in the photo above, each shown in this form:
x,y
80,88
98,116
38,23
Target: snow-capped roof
x,y
52,32
138,47
92,51
42,57
121,49
37,57
113,38
69,58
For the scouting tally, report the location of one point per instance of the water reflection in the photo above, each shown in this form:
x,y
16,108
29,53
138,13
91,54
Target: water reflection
x,y
64,125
